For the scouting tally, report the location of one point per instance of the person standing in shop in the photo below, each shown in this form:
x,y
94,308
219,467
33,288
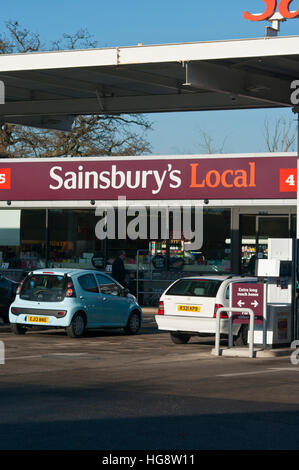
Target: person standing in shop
x,y
118,268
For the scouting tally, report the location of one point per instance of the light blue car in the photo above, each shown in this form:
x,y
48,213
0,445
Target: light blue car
x,y
74,299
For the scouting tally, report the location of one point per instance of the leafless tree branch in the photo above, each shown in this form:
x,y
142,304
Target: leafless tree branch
x,y
208,144
280,135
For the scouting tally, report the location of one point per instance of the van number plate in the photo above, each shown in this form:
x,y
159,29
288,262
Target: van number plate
x,y
188,308
32,319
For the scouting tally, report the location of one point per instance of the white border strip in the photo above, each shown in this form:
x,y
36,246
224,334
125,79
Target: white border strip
x,y
228,203
162,53
150,157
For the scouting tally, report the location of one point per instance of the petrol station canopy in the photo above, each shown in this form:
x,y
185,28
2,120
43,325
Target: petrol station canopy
x,y
47,89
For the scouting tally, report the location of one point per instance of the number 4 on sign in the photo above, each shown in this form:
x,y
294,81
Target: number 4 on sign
x,y
291,180
288,180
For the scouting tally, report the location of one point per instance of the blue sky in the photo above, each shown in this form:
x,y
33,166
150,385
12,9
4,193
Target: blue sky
x,y
126,23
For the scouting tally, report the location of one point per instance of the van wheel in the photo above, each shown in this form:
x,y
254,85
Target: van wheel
x,y
180,338
17,329
133,324
242,336
77,326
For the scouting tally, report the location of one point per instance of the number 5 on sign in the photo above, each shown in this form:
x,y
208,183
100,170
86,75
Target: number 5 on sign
x,y
288,180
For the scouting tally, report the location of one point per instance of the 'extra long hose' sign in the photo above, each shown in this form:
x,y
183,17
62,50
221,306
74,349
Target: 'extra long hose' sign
x,y
271,6
147,178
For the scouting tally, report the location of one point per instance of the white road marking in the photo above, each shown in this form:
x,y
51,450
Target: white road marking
x,y
67,354
40,356
267,371
22,357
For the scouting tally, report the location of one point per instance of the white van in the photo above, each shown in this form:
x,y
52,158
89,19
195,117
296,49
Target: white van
x,y
188,308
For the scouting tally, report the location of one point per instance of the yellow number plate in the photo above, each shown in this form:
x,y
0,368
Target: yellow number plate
x,y
38,319
188,308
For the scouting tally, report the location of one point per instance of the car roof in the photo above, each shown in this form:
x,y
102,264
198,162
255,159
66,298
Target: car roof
x,y
62,271
221,277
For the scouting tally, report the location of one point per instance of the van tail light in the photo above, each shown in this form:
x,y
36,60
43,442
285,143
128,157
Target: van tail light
x,y
222,314
161,308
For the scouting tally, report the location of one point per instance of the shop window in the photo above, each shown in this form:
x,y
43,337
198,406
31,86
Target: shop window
x,y
215,254
171,258
248,243
33,239
10,227
26,249
72,238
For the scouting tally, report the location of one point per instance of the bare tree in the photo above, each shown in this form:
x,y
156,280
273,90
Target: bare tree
x,y
17,40
280,135
91,135
209,145
80,39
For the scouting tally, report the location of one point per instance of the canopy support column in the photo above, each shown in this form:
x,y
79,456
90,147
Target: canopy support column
x,y
295,323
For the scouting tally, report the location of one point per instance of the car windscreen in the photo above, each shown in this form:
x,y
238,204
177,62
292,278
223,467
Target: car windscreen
x,y
44,288
195,288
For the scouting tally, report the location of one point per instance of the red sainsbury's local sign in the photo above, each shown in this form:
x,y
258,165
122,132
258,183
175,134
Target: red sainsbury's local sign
x,y
147,178
271,6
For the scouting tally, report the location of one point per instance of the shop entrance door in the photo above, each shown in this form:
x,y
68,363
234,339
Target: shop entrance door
x,y
255,232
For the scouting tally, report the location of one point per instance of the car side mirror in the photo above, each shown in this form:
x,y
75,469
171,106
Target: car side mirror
x,y
125,292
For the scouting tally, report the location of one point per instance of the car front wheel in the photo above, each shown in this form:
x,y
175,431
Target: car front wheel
x,y
133,324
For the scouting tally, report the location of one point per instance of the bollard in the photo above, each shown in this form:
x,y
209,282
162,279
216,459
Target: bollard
x,y
230,311
2,92
2,352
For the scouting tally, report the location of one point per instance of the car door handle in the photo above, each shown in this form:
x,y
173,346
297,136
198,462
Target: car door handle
x,y
105,299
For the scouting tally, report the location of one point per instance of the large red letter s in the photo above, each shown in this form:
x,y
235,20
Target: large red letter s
x,y
284,9
270,10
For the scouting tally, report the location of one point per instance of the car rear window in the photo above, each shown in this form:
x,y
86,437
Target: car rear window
x,y
44,288
195,287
